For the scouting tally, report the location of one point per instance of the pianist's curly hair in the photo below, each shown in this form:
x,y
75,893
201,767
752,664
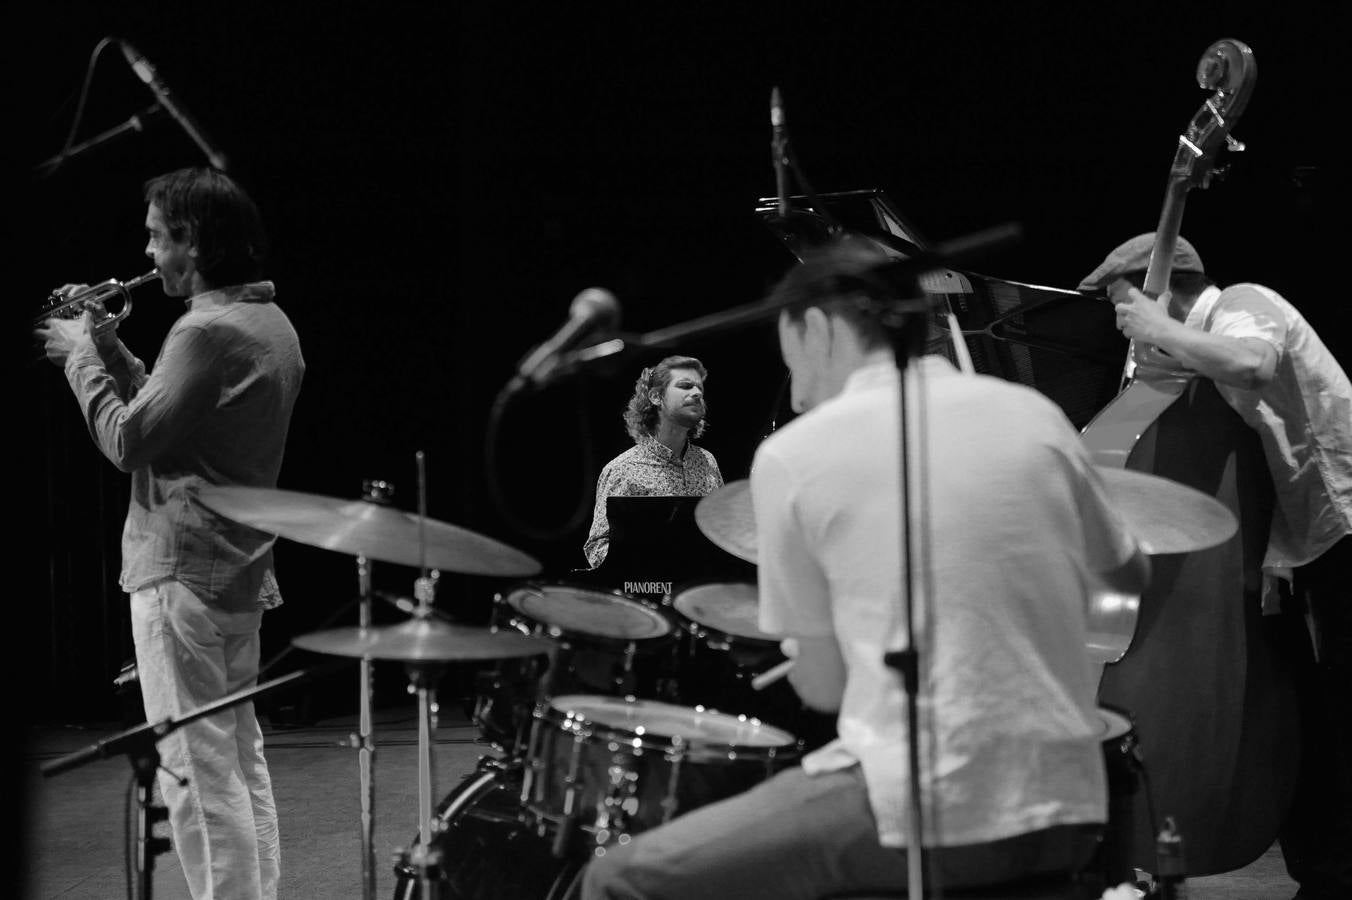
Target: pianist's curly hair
x,y
640,416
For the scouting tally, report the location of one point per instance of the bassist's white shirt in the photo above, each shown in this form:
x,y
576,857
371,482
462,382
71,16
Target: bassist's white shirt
x,y
1303,416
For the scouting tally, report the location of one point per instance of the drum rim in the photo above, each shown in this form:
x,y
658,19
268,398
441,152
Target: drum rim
x,y
654,614
1113,723
702,629
553,711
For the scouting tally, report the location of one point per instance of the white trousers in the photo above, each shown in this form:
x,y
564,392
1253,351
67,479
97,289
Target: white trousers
x,y
224,820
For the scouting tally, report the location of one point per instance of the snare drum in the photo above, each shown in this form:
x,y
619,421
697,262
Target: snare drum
x,y
609,767
596,637
725,648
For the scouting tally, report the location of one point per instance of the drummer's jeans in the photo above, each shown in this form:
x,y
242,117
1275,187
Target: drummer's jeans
x,y
224,819
800,836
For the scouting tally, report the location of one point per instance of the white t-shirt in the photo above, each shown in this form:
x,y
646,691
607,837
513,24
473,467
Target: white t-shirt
x,y
1017,522
1303,416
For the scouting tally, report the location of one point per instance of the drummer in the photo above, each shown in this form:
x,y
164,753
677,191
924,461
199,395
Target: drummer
x,y
1016,522
665,415
214,410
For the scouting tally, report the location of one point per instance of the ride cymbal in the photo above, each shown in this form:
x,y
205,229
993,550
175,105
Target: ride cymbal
x,y
359,527
422,640
1164,515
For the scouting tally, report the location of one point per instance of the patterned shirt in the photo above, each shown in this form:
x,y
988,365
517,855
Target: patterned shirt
x,y
648,469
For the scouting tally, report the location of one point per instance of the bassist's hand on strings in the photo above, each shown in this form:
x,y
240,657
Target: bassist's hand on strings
x,y
1243,362
1139,317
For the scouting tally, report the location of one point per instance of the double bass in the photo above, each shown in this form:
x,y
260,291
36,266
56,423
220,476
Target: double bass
x,y
1199,670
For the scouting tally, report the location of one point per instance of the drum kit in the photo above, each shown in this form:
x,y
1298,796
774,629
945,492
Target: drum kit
x,y
603,707
599,704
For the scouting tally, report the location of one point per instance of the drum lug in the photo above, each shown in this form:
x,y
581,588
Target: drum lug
x,y
621,796
676,755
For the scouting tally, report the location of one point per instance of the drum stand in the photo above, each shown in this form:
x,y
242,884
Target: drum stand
x,y
378,492
363,741
425,859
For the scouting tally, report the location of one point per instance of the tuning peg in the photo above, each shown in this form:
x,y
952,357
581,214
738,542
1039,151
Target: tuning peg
x,y
1233,145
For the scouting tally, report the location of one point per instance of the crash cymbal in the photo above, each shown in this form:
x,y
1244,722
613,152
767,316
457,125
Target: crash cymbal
x,y
1165,516
359,527
726,518
423,640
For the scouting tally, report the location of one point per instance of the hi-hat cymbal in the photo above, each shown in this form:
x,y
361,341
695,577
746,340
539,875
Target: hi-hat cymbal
x,y
423,640
359,527
1164,515
727,519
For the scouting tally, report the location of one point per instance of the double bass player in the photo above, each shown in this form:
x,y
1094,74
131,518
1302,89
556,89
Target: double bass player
x,y
1274,371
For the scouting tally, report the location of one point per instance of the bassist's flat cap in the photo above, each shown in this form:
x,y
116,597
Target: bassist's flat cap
x,y
1134,256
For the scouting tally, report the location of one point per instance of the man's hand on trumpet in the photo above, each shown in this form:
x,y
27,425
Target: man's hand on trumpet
x,y
60,336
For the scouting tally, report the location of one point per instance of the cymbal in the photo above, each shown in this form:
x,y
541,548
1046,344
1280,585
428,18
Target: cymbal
x,y
359,527
423,640
726,518
1164,515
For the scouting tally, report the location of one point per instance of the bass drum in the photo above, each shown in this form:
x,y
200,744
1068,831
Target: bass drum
x,y
487,852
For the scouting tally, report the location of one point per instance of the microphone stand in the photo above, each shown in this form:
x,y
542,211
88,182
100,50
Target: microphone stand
x,y
902,326
135,124
139,744
945,254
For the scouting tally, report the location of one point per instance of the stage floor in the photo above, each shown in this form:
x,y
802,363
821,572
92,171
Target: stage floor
x,y
74,834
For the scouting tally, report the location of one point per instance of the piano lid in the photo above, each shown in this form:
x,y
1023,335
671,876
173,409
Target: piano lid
x,y
1063,343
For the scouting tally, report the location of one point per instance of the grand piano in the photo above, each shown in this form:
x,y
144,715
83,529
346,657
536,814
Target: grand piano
x,y
656,548
1060,342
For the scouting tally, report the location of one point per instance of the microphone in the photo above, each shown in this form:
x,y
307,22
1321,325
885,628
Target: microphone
x,y
593,310
779,147
146,72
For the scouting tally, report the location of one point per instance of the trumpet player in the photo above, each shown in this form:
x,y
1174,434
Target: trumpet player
x,y
214,409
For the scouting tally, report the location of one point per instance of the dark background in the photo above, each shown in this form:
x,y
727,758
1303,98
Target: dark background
x,y
440,180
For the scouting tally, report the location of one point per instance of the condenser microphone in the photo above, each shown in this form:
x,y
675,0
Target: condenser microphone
x,y
146,72
779,149
592,311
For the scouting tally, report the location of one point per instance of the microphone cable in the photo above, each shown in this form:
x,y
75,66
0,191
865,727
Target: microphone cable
x,y
589,473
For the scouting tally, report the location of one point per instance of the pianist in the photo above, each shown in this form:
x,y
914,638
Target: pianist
x,y
664,416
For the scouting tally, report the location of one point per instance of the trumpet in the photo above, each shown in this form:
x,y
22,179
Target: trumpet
x,y
95,299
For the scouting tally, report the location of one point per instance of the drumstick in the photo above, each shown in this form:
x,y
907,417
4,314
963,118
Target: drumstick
x,y
771,675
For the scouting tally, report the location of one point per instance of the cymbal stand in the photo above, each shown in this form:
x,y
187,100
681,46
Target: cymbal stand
x,y
378,492
423,675
425,858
